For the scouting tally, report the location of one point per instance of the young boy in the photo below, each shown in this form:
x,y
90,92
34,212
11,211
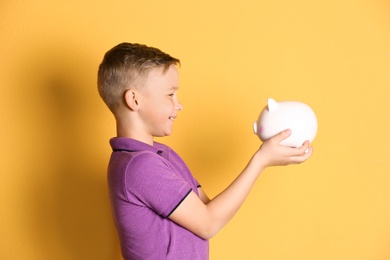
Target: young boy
x,y
159,208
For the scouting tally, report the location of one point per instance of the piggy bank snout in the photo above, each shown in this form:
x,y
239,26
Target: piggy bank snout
x,y
257,129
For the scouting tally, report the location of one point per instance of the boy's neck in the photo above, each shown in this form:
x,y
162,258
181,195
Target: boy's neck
x,y
133,134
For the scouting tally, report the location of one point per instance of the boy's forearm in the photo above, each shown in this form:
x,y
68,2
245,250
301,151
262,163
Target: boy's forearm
x,y
225,205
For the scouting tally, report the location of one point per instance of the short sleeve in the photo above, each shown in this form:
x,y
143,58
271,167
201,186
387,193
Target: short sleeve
x,y
151,181
178,161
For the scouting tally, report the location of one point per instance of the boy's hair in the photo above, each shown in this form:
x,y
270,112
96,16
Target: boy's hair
x,y
127,65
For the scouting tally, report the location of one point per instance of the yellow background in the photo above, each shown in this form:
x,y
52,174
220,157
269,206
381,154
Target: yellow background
x,y
332,55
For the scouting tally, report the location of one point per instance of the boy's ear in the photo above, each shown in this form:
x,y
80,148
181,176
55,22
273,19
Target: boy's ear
x,y
131,99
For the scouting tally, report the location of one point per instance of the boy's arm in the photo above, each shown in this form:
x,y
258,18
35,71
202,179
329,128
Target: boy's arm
x,y
202,195
206,219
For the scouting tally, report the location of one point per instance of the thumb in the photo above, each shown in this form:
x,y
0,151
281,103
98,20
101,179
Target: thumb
x,y
282,135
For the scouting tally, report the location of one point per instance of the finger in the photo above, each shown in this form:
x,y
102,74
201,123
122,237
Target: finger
x,y
303,157
282,135
297,151
304,147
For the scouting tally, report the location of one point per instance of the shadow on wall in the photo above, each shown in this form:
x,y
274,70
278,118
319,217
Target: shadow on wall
x,y
67,202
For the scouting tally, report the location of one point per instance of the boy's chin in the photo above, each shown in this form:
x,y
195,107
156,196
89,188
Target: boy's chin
x,y
159,135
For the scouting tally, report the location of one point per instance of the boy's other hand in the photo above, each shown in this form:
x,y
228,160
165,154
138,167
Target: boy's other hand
x,y
272,153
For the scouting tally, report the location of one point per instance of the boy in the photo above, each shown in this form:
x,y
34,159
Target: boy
x,y
159,208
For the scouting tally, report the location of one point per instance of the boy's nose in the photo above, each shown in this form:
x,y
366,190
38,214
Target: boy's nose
x,y
179,106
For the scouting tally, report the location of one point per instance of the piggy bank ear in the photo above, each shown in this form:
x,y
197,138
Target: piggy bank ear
x,y
272,104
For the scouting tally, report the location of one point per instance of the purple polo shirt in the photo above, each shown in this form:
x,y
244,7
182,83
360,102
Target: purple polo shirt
x,y
146,184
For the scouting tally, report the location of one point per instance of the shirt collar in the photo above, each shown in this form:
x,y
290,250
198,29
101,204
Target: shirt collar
x,y
128,144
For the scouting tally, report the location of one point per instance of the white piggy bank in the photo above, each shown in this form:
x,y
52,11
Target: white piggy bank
x,y
278,116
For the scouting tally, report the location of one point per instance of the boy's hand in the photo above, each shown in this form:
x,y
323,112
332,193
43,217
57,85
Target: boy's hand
x,y
271,153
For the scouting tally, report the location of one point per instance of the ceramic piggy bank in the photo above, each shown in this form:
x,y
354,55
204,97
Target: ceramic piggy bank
x,y
278,116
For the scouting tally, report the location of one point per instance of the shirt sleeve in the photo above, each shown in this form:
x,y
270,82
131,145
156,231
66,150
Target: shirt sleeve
x,y
152,182
186,171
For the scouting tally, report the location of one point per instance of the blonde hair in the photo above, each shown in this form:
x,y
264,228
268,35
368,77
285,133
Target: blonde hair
x,y
127,65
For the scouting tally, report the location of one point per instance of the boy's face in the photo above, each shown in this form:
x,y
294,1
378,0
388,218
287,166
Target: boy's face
x,y
159,104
